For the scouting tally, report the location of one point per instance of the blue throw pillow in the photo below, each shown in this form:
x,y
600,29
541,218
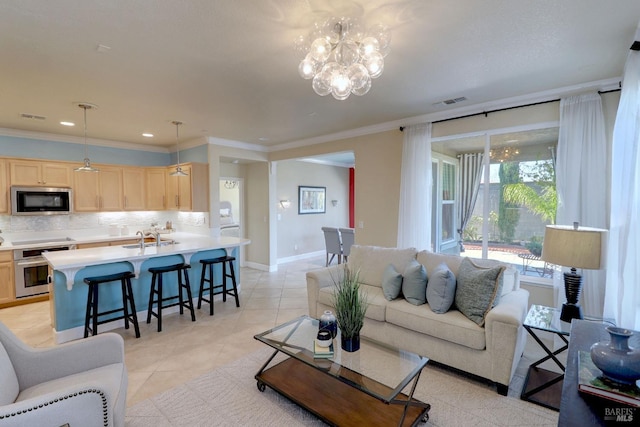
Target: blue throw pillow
x,y
441,289
414,283
391,283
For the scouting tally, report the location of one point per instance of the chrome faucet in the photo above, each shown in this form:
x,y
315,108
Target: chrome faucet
x,y
141,238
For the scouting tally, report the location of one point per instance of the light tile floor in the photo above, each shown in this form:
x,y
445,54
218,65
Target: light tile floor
x,y
184,350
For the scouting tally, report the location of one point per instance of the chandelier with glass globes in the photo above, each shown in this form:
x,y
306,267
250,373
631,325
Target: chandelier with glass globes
x,y
342,58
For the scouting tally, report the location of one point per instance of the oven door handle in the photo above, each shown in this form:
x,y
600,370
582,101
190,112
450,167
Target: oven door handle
x,y
31,263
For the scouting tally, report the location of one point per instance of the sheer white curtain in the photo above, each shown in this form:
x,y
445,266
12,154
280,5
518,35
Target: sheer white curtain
x,y
581,170
622,298
414,218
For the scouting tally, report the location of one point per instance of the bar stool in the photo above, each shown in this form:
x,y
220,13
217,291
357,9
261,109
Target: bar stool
x,y
207,265
156,291
92,317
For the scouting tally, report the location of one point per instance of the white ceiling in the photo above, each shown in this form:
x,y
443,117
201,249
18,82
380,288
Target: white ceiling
x,y
228,69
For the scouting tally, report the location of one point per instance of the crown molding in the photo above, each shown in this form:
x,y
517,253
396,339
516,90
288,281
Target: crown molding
x,y
517,101
236,144
41,136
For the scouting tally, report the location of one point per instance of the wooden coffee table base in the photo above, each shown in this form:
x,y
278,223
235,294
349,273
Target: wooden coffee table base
x,y
335,402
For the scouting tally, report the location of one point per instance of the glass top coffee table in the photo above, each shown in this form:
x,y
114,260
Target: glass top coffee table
x,y
360,388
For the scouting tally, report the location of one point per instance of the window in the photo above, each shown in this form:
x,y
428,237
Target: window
x,y
443,223
516,198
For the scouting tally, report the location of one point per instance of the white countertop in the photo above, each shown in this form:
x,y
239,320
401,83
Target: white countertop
x,y
70,262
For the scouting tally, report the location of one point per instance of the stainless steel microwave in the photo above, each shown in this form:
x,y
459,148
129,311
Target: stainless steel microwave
x,y
41,201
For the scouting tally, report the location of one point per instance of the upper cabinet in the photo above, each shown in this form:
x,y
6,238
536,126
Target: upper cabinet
x,y
133,184
98,191
49,174
156,188
4,188
189,193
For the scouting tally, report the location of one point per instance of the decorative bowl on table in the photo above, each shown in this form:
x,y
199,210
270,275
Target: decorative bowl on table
x,y
324,338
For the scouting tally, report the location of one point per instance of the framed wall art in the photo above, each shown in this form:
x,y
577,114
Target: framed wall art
x,y
311,200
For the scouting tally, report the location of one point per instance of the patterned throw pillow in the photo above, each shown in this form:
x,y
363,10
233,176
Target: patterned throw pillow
x,y
478,290
441,289
391,283
414,283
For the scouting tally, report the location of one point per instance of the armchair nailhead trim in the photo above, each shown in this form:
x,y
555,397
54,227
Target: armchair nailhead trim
x,y
105,408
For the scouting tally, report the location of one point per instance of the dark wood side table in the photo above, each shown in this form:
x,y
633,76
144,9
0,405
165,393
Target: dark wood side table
x,y
578,409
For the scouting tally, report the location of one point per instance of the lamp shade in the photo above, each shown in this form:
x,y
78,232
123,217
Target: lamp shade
x,y
577,247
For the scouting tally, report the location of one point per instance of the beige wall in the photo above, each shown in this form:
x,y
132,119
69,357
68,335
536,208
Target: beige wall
x,y
257,213
378,160
301,234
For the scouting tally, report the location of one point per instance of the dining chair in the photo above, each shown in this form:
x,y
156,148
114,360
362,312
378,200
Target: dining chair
x,y
332,243
347,237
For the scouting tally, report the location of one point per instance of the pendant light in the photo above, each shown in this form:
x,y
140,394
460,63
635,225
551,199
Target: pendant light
x,y
87,163
178,171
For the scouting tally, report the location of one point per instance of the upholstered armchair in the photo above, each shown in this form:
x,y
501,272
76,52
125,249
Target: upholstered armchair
x,y
82,383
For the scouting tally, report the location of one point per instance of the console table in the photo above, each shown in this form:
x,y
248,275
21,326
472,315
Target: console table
x,y
577,409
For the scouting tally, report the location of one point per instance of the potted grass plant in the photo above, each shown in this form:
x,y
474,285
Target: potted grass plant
x,y
350,304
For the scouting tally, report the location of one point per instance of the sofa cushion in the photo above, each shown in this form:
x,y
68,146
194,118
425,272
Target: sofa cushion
x,y
391,282
431,260
414,283
509,277
376,301
441,288
478,289
9,387
372,260
451,326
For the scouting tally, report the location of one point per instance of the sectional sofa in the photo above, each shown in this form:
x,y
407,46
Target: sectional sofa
x,y
487,343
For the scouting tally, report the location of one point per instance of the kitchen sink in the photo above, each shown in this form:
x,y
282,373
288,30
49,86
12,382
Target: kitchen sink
x,y
148,244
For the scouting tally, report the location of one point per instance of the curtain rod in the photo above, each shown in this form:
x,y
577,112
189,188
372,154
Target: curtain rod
x,y
486,113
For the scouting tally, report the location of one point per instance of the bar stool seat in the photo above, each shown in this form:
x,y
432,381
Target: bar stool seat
x,y
155,294
216,289
128,309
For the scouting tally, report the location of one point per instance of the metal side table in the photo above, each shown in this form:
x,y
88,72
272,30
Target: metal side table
x,y
543,386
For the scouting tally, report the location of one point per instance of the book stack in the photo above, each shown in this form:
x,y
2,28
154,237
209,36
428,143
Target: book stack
x,y
590,380
320,352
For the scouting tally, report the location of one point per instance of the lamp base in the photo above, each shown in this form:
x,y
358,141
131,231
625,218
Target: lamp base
x,y
570,311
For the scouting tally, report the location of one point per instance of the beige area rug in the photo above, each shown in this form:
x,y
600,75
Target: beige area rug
x,y
228,396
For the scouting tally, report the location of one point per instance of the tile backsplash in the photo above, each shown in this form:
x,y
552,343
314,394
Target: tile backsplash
x,y
187,221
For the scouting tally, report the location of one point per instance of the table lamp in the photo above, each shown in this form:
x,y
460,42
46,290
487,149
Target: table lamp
x,y
575,247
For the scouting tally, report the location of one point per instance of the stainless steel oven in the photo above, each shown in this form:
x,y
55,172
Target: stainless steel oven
x,y
32,270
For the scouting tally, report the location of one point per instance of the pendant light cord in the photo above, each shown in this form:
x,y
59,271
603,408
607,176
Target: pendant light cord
x,y
84,107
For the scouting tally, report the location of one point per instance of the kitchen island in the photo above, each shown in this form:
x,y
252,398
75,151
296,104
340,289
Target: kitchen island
x,y
68,293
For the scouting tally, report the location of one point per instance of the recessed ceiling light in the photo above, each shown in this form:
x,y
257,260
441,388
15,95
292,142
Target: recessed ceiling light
x,y
67,123
147,135
263,138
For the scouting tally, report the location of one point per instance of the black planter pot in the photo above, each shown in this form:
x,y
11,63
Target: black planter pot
x,y
350,344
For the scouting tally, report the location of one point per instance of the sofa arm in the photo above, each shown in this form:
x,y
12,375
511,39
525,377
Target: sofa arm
x,y
505,334
76,405
33,365
322,278
512,309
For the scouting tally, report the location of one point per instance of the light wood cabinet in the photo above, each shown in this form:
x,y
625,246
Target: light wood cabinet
x,y
50,174
189,193
156,189
98,191
7,287
133,184
4,187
